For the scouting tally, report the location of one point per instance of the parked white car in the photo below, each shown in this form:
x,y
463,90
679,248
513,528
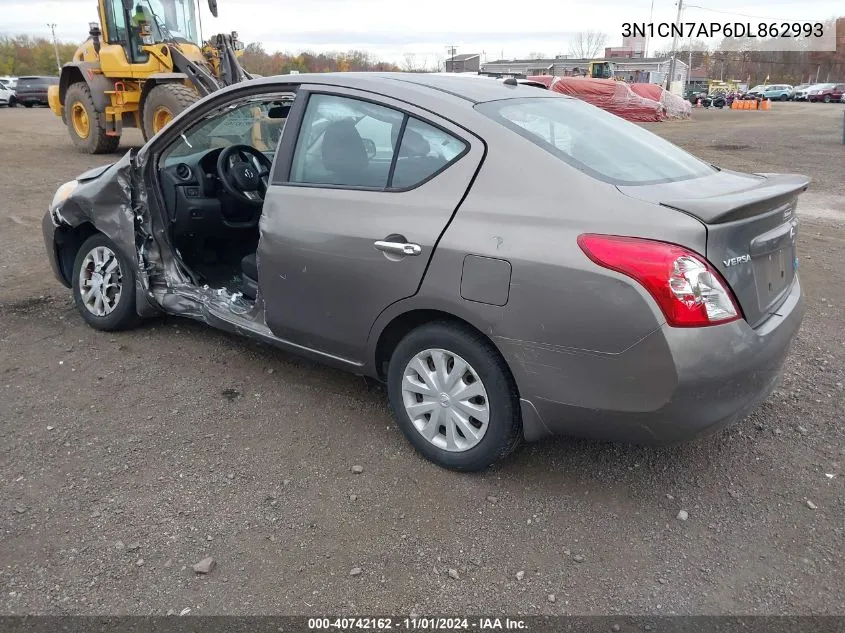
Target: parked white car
x,y
7,96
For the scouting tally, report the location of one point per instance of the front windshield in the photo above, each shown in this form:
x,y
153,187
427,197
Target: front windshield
x,y
174,19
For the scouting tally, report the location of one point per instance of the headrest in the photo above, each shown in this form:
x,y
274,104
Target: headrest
x,y
343,149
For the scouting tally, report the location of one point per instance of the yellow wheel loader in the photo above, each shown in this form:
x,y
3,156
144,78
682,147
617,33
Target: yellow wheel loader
x,y
143,67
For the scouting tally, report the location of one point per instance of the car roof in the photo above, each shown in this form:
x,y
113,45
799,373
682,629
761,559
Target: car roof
x,y
467,88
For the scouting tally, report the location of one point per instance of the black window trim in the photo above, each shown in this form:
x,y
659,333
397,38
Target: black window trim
x,y
281,175
394,160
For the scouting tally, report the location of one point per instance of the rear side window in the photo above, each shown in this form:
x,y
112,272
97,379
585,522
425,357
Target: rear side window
x,y
423,152
596,142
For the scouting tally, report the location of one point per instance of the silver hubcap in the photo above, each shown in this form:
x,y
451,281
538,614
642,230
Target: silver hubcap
x,y
100,281
445,400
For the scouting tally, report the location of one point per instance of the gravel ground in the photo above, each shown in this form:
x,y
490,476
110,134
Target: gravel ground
x,y
125,459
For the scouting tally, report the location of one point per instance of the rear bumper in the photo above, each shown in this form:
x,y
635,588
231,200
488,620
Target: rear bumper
x,y
671,386
32,98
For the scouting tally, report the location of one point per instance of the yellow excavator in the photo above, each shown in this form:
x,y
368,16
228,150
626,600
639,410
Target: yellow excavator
x,y
143,67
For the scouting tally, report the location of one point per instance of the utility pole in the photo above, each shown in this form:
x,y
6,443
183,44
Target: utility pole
x,y
650,17
451,50
56,47
674,45
689,68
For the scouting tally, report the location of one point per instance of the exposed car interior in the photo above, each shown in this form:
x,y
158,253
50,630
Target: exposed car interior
x,y
214,178
213,181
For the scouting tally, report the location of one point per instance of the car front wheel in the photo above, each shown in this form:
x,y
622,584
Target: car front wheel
x,y
453,396
104,285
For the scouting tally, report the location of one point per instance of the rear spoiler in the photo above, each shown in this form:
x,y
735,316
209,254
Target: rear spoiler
x,y
778,190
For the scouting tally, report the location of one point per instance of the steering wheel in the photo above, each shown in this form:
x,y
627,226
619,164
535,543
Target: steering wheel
x,y
236,168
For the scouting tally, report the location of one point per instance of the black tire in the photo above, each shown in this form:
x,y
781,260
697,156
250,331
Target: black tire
x,y
784,97
13,103
123,316
96,142
173,97
826,99
28,104
504,431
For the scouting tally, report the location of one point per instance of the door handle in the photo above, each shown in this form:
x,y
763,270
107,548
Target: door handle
x,y
398,248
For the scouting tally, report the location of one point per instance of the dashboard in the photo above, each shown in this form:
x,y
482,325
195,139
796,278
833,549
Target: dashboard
x,y
197,203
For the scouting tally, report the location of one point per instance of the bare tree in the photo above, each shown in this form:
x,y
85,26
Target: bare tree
x,y
587,44
410,63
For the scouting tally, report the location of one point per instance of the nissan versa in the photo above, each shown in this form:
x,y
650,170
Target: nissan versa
x,y
511,262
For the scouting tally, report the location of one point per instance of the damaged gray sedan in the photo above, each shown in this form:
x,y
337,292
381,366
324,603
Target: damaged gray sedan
x,y
512,263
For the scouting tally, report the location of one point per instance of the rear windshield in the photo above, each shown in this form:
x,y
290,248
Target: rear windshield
x,y
596,142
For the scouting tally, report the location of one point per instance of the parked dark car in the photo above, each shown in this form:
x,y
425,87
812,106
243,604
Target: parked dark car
x,y
392,225
826,92
33,90
694,95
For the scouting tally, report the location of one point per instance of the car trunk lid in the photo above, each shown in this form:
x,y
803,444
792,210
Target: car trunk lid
x,y
751,228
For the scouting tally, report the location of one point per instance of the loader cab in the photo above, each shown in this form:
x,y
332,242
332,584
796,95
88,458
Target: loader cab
x,y
133,24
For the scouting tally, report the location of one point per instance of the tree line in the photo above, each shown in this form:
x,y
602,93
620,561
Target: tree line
x,y
256,60
25,55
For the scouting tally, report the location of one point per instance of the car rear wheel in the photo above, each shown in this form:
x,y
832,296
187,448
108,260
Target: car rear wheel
x,y
453,397
104,285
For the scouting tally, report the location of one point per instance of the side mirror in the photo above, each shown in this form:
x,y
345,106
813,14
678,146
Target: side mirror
x,y
212,6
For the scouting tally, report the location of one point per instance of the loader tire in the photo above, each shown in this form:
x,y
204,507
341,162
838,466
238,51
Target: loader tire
x,y
86,126
163,103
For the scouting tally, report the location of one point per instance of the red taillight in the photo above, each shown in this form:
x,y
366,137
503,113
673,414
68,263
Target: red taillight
x,y
689,291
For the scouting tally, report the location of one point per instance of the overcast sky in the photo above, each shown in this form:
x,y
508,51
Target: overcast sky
x,y
390,28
